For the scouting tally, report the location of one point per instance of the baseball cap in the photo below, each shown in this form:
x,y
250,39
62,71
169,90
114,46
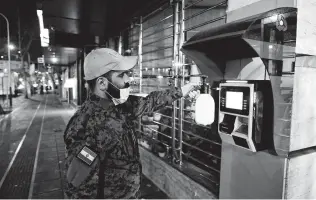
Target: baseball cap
x,y
103,60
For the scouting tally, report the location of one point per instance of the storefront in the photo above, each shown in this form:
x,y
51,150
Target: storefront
x,y
269,152
226,41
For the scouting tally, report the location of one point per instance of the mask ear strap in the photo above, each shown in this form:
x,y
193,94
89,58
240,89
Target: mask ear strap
x,y
113,85
109,95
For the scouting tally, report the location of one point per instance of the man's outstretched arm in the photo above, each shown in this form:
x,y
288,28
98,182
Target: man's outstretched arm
x,y
158,99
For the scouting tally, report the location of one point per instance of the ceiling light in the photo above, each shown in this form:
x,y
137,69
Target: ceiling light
x,y
54,59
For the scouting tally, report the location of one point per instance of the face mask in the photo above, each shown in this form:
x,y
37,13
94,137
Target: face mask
x,y
124,96
119,96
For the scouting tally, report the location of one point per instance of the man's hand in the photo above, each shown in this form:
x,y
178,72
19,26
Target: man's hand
x,y
190,90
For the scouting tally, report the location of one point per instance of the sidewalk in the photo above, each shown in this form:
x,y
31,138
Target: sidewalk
x,y
49,177
17,102
49,171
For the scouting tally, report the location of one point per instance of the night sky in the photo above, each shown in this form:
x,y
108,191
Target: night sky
x,y
26,11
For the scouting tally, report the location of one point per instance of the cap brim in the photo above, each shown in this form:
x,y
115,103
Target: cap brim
x,y
127,63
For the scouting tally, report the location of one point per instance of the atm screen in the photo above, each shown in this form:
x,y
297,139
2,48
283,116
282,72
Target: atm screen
x,y
234,100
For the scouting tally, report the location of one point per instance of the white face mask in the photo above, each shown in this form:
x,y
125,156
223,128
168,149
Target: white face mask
x,y
124,94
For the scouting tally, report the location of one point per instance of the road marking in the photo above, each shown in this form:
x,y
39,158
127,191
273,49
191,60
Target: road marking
x,y
18,148
36,155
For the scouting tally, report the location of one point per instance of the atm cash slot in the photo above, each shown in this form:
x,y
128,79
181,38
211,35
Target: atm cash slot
x,y
242,129
227,126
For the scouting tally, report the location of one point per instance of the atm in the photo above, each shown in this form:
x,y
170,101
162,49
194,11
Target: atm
x,y
249,66
246,114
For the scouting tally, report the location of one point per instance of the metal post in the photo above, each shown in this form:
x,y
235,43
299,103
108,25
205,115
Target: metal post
x,y
175,69
182,62
26,81
140,60
9,59
140,57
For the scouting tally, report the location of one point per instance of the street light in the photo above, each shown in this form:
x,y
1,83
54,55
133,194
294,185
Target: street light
x,y
9,57
11,46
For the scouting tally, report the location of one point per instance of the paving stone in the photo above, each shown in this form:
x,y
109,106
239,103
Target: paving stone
x,y
47,149
47,145
47,186
62,157
47,176
47,154
49,138
61,149
57,194
48,132
51,143
49,159
60,143
47,166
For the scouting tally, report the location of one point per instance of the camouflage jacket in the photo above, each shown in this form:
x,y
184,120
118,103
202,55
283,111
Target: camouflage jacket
x,y
110,131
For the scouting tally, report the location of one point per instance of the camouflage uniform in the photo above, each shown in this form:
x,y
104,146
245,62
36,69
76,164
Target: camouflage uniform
x,y
110,131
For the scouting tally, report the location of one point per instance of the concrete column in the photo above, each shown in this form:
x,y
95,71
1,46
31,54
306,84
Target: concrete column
x,y
301,167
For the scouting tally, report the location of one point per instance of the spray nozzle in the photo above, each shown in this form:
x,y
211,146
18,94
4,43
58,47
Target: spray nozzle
x,y
205,86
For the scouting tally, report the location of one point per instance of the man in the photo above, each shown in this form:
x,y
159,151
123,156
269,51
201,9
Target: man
x,y
102,149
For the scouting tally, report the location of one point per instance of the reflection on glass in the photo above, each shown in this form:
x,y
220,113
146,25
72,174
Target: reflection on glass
x,y
275,43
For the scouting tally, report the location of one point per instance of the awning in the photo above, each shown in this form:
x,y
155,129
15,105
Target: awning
x,y
212,48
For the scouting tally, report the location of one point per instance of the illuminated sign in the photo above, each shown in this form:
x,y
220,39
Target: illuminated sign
x,y
44,32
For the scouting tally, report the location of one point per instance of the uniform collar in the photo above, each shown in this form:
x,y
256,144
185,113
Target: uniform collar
x,y
101,102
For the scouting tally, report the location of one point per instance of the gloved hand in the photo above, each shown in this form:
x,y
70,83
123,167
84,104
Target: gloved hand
x,y
191,90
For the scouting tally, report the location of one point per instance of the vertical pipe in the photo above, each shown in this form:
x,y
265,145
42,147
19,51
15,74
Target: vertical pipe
x,y
85,92
182,61
140,60
175,69
140,57
9,60
78,65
